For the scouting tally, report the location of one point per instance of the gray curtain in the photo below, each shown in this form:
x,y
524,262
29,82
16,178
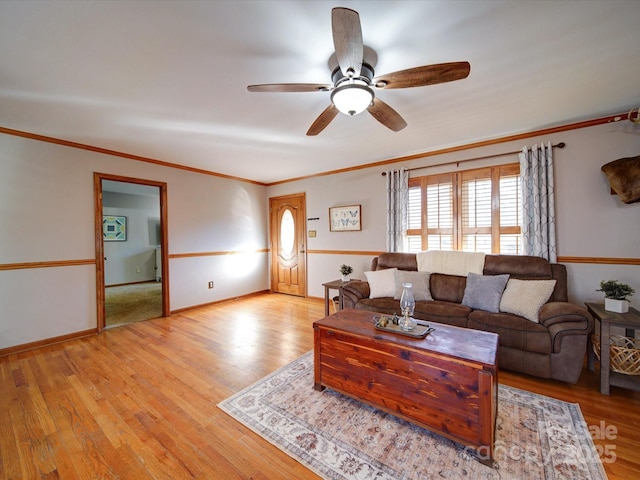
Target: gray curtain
x,y
538,203
397,209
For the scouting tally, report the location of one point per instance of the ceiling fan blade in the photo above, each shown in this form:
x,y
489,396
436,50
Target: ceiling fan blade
x,y
425,75
290,87
386,115
323,120
347,40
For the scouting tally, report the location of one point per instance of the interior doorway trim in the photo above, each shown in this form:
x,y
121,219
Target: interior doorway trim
x,y
99,242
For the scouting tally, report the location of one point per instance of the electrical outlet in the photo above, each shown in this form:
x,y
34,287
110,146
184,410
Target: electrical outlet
x,y
138,269
210,284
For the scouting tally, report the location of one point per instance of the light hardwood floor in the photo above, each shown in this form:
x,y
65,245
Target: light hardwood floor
x,y
139,401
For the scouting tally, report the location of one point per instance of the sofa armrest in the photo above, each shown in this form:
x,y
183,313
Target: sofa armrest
x,y
566,320
556,313
354,291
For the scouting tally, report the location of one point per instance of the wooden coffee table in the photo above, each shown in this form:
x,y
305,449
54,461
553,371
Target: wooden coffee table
x,y
446,382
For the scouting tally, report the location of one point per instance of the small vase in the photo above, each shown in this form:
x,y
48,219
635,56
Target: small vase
x,y
346,278
617,306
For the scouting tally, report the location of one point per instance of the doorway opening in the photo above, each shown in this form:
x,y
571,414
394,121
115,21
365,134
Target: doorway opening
x,y
131,250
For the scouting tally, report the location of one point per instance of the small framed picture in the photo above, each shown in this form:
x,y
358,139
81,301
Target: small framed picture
x,y
345,219
114,228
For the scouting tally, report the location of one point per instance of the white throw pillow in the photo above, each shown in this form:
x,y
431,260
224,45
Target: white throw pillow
x,y
382,283
420,282
526,297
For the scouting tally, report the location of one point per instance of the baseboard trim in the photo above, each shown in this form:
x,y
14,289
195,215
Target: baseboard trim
x,y
46,342
217,302
132,283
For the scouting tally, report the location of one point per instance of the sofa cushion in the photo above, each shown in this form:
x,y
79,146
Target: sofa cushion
x,y
524,267
382,283
448,288
515,331
432,311
526,297
420,282
484,292
387,305
442,312
399,260
527,267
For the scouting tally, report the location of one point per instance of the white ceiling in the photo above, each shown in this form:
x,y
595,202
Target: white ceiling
x,y
167,79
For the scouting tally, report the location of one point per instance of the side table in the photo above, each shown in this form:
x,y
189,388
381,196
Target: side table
x,y
629,321
335,285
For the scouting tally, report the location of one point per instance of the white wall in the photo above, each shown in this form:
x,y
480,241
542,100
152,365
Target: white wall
x,y
132,260
47,214
591,222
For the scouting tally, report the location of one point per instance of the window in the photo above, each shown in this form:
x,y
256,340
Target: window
x,y
474,211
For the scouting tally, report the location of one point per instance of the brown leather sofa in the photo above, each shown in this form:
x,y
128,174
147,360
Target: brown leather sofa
x,y
552,348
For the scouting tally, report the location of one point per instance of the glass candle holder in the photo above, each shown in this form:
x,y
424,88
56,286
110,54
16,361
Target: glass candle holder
x,y
407,305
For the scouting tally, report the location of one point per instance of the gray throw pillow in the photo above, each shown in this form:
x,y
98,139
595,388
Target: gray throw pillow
x,y
484,292
420,281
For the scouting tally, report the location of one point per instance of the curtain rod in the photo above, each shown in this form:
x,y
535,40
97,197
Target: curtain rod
x,y
458,162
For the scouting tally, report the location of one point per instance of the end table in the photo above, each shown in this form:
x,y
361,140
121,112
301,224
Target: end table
x,y
630,321
335,285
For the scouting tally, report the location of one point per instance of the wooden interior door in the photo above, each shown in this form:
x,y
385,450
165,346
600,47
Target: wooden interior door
x,y
288,249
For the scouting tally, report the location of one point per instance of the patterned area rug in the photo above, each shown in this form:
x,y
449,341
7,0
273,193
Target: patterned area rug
x,y
537,437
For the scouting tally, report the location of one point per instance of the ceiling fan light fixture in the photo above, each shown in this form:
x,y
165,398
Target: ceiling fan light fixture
x,y
353,80
352,98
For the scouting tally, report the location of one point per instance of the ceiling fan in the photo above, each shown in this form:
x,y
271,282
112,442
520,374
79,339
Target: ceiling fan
x,y
354,83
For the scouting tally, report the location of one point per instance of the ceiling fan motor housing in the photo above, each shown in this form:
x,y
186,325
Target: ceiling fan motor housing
x,y
366,75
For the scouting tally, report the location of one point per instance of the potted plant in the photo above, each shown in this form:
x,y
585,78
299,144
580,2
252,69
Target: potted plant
x,y
615,295
345,270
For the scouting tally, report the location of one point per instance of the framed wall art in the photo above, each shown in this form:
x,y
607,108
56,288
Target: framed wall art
x,y
345,219
114,228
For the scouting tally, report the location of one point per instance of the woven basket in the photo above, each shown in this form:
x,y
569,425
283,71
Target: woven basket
x,y
336,304
624,352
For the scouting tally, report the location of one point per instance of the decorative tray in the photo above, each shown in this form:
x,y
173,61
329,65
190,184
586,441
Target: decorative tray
x,y
420,331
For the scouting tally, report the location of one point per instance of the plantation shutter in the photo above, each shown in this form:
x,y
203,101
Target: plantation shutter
x,y
510,211
440,212
414,232
475,210
476,202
